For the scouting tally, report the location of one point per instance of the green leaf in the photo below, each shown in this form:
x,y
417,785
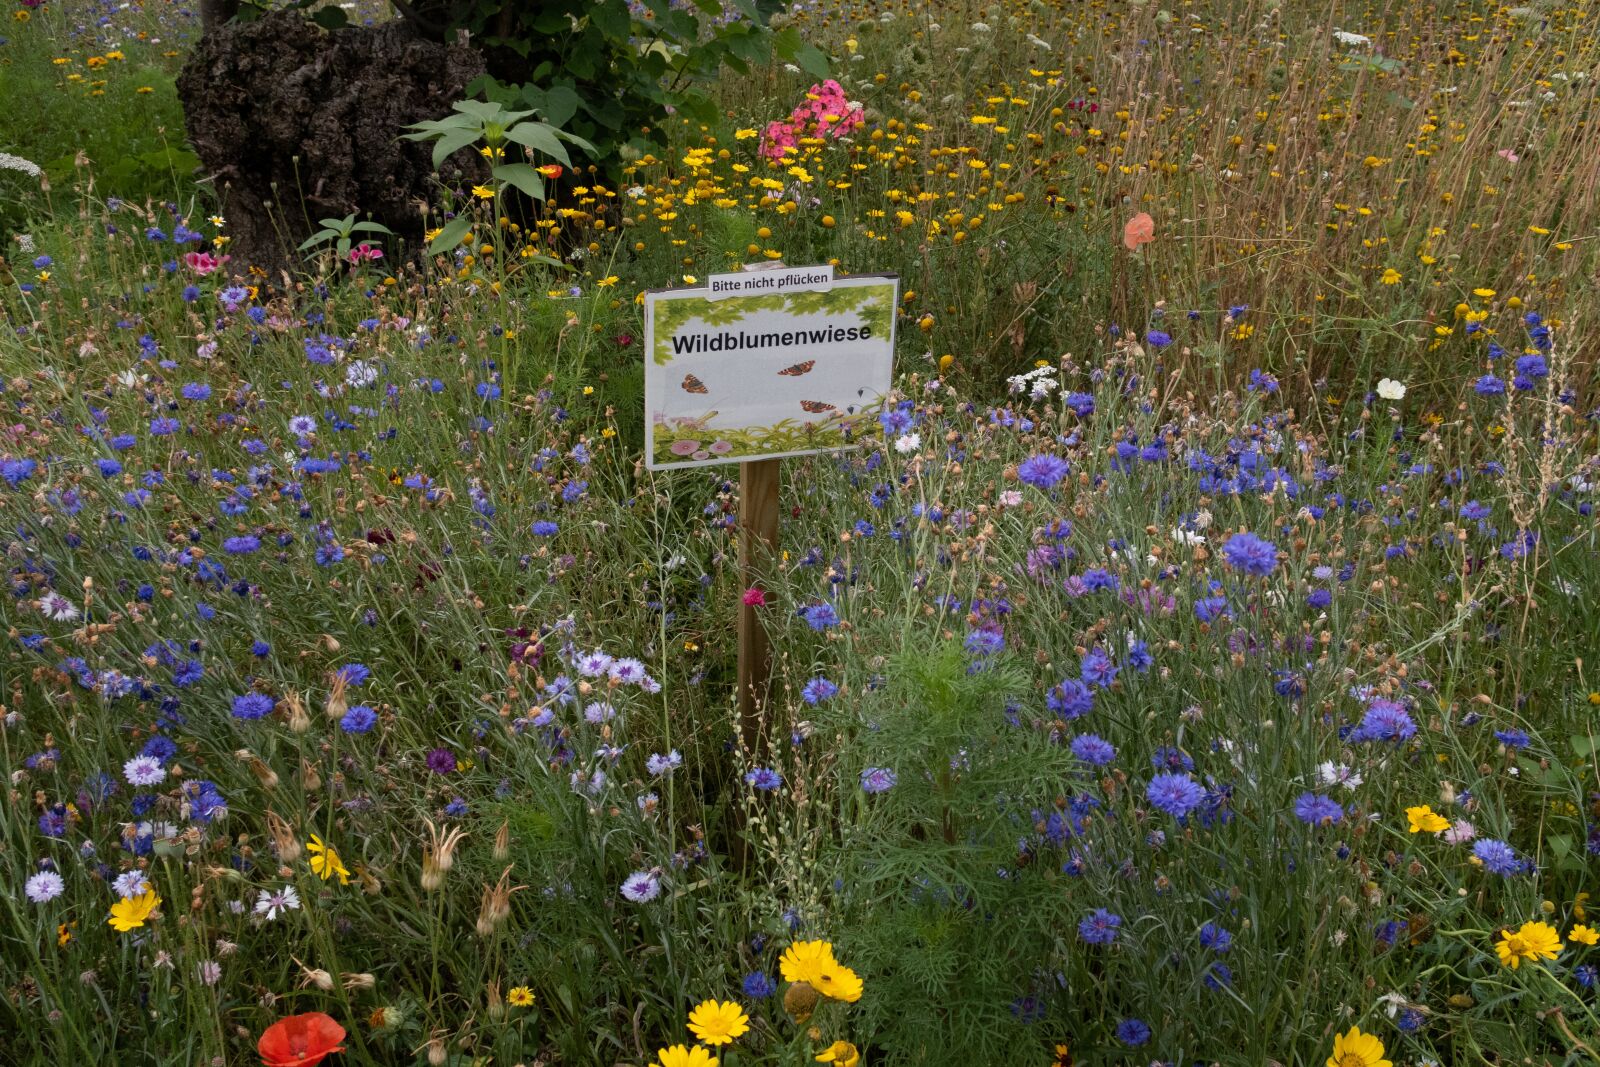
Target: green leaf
x,y
1583,745
611,17
451,142
1560,844
371,227
451,235
812,60
560,104
523,177
331,18
540,138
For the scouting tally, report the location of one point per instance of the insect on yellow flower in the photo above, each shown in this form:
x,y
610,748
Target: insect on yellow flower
x,y
1530,941
130,913
718,1022
804,961
839,983
1356,1049
1422,819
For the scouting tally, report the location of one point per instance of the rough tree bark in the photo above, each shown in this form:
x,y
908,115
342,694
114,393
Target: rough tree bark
x,y
294,124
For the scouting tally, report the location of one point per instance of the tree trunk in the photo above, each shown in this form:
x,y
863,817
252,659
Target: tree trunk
x,y
295,124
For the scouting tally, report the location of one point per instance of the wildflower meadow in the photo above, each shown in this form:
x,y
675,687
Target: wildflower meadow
x,y
1194,659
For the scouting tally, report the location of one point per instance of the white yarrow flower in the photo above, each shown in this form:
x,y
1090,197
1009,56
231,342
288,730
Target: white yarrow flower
x,y
1351,40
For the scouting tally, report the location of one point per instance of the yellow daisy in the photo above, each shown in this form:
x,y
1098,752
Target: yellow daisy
x,y
803,961
1531,941
718,1023
1355,1049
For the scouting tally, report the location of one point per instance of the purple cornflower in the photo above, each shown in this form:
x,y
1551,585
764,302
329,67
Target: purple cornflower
x,y
878,780
1071,699
1097,668
358,720
821,616
441,760
757,986
641,887
252,706
817,690
1175,794
1099,927
1093,750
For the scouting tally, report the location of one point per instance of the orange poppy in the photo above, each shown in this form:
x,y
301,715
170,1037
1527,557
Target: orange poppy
x,y
300,1040
551,171
1141,229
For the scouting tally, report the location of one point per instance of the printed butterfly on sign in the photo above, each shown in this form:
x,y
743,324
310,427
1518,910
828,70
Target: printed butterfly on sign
x,y
798,369
816,407
691,384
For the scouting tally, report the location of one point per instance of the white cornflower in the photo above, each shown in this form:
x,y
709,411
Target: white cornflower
x,y
58,607
209,972
272,904
1331,773
144,770
906,444
44,887
360,374
130,884
1011,498
1389,389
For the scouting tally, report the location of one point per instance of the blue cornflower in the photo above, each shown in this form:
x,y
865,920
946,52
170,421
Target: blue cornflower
x,y
764,778
817,690
242,545
1157,338
1249,553
1384,721
544,528
195,391
1175,794
358,720
1513,739
1318,810
1498,857
1215,938
1489,385
1099,927
820,616
1474,511
1097,668
1093,750
757,986
1042,470
1133,1032
1071,699
252,706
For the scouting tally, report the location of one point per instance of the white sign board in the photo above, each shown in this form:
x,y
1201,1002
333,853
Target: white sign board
x,y
765,364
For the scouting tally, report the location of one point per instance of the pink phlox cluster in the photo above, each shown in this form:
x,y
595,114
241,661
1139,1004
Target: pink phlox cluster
x,y
827,112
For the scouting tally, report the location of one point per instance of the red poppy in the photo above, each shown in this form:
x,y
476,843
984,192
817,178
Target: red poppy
x,y
551,171
300,1040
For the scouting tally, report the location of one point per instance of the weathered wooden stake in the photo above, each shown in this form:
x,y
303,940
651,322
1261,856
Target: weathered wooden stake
x,y
758,536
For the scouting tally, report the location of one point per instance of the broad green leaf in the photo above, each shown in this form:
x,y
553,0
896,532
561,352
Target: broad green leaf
x,y
523,177
560,104
331,18
371,227
540,138
450,235
450,143
812,60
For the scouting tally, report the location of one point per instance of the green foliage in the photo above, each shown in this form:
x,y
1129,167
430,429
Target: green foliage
x,y
611,76
342,233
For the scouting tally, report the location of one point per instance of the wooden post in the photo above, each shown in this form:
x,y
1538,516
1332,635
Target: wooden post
x,y
758,536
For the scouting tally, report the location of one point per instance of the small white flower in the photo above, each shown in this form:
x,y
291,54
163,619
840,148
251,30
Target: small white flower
x,y
1331,773
1037,43
980,27
907,443
1011,498
272,904
1353,40
1389,389
360,374
209,972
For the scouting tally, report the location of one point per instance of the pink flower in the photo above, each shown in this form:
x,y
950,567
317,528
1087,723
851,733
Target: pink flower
x,y
1460,832
684,448
722,448
364,252
202,263
1508,155
754,598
